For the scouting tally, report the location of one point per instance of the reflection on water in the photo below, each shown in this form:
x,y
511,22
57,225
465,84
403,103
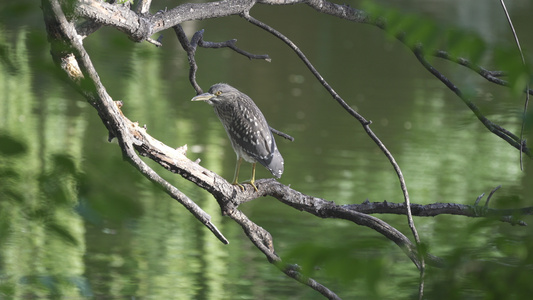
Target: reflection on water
x,y
76,221
41,237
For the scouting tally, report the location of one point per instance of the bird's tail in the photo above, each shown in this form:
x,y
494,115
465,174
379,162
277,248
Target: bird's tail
x,y
275,166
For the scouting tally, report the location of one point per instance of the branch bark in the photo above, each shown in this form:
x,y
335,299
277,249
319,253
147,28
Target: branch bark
x,y
66,44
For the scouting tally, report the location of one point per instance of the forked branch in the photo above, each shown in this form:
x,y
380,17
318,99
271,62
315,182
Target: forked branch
x,y
67,47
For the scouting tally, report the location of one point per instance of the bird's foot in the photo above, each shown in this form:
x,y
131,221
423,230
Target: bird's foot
x,y
240,185
249,182
252,182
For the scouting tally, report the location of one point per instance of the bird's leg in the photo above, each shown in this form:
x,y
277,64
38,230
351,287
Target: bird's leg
x,y
236,177
252,181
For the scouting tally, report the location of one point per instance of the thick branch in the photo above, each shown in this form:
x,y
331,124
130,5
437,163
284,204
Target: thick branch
x,y
140,27
65,45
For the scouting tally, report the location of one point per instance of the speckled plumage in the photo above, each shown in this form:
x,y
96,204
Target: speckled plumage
x,y
246,127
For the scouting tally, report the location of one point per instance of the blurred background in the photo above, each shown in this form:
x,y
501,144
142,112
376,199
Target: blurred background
x,y
77,221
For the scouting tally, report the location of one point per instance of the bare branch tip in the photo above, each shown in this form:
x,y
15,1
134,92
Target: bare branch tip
x,y
479,199
110,137
157,42
182,149
492,193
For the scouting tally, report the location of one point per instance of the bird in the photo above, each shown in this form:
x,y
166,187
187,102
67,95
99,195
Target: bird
x,y
247,129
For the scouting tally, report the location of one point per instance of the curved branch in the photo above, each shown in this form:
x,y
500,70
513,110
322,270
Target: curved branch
x,y
504,134
65,43
491,76
140,27
352,112
197,40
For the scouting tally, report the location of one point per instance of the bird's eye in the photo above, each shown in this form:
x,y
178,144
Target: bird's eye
x,y
218,93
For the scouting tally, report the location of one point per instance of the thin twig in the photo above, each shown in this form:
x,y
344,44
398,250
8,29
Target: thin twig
x,y
197,40
490,195
507,136
282,134
491,76
231,44
190,48
527,83
479,199
365,123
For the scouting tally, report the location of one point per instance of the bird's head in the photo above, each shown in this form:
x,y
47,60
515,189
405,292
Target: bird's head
x,y
218,94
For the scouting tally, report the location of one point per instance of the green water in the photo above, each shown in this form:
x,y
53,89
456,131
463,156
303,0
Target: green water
x,y
76,221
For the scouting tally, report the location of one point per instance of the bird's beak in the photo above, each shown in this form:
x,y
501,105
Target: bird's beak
x,y
203,97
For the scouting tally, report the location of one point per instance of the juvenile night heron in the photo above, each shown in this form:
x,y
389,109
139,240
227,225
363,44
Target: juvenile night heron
x,y
247,129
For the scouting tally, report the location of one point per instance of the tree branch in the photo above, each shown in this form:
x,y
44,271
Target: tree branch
x,y
491,76
197,40
65,43
356,115
435,209
143,6
504,134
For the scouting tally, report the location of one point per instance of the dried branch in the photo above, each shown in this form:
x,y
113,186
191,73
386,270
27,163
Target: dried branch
x,y
197,40
131,136
64,41
140,26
